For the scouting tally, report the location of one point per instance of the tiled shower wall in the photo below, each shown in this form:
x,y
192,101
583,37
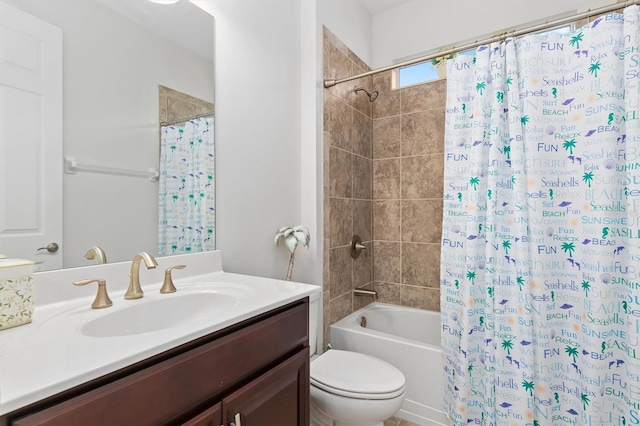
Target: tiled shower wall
x,y
408,155
383,174
348,183
176,106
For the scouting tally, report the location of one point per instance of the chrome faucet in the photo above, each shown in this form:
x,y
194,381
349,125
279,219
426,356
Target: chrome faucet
x,y
96,253
134,291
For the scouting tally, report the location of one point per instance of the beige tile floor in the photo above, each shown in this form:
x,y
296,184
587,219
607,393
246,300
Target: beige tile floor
x,y
394,421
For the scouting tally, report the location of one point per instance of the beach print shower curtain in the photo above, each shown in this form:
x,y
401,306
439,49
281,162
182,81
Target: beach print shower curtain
x,y
186,207
540,278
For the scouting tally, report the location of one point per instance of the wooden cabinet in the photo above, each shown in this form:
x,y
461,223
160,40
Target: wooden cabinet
x,y
258,369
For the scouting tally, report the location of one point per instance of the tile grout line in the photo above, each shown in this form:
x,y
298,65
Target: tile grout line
x,y
401,200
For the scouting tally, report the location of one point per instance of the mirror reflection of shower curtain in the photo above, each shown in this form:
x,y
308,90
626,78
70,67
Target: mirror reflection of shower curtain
x,y
186,188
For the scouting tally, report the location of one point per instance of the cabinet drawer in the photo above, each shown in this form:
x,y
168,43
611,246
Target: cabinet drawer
x,y
165,391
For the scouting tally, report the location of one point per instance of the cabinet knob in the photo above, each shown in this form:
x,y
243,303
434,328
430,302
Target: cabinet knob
x,y
236,420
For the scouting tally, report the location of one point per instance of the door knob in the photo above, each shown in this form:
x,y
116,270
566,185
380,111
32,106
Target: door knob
x,y
51,248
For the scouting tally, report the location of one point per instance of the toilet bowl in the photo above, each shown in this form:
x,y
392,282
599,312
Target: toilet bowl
x,y
350,388
354,389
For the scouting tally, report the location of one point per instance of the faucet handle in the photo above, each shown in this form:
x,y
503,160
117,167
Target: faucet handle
x,y
102,298
167,285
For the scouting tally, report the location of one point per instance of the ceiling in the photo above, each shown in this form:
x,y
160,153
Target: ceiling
x,y
377,6
189,26
183,23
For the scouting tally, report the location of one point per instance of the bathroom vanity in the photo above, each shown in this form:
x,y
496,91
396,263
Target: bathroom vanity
x,y
246,365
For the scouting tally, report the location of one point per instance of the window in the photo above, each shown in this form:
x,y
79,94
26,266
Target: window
x,y
417,73
424,72
565,29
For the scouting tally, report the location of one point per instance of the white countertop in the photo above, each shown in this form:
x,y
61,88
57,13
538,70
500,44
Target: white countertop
x,y
51,354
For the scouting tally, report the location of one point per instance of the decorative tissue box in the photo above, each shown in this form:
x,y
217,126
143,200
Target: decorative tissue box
x,y
16,292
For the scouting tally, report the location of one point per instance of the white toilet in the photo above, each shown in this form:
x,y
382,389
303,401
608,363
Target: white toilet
x,y
350,388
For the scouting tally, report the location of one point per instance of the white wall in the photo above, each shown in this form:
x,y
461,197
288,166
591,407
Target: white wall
x,y
311,136
112,69
269,125
258,133
422,26
351,22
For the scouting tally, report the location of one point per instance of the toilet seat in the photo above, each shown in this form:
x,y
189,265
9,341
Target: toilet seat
x,y
356,375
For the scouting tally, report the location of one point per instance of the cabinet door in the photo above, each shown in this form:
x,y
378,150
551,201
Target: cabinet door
x,y
209,417
277,398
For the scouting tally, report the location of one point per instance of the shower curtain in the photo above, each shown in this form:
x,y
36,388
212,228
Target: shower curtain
x,y
540,268
186,207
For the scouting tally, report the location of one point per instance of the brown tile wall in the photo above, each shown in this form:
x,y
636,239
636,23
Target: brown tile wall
x,y
383,177
408,153
348,183
176,106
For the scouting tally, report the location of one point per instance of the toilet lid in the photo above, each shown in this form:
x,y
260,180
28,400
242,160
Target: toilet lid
x,y
356,375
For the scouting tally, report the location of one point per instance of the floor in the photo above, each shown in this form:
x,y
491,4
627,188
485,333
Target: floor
x,y
394,421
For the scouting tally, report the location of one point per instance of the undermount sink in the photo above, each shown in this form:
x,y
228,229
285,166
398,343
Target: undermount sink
x,y
164,312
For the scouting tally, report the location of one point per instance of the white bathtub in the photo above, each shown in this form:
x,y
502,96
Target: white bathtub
x,y
409,339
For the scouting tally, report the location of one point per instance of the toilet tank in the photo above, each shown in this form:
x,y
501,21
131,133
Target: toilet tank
x,y
314,321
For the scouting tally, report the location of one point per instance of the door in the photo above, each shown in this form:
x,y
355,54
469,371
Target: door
x,y
278,397
30,138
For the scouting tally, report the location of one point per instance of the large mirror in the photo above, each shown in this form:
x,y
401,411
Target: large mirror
x,y
129,67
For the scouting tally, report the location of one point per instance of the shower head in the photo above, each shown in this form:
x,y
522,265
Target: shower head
x,y
372,95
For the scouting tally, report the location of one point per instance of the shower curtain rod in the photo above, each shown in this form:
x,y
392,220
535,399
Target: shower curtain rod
x,y
500,37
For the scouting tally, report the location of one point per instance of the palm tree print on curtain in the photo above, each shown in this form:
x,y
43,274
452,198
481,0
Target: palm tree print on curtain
x,y
541,232
187,189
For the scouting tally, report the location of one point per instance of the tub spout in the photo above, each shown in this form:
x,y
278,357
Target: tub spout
x,y
365,292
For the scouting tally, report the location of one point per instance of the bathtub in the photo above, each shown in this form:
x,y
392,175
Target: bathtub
x,y
409,339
